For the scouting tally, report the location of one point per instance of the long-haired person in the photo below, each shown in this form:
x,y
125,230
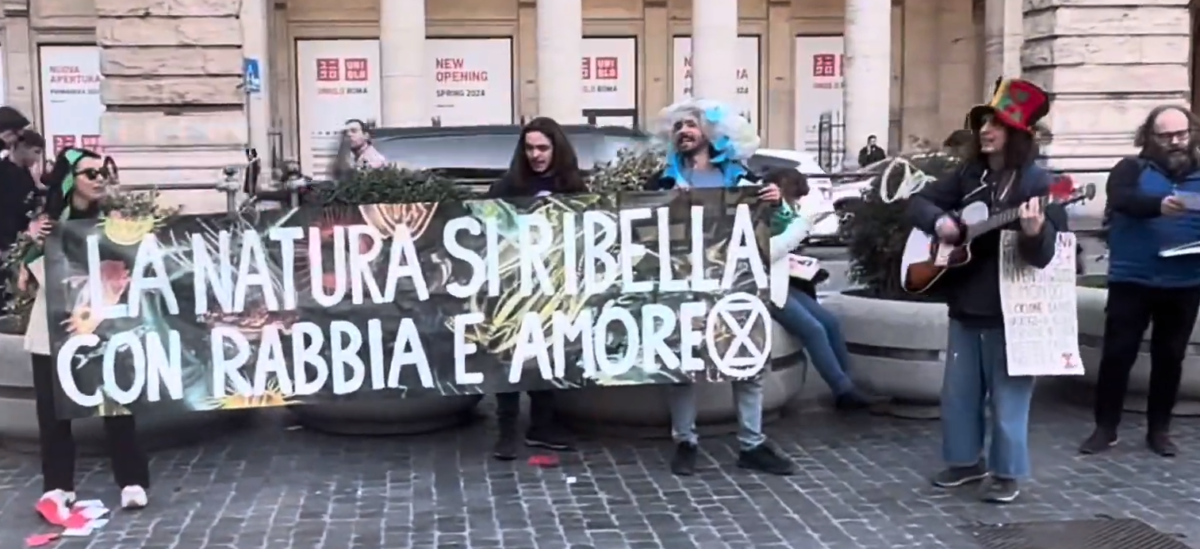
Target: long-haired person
x,y
75,187
543,163
803,317
708,145
1000,172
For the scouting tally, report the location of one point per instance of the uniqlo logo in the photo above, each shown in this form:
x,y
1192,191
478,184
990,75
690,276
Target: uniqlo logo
x,y
356,69
606,68
63,142
824,65
587,68
91,142
329,70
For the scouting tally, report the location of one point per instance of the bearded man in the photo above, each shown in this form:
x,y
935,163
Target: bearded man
x,y
1146,214
708,145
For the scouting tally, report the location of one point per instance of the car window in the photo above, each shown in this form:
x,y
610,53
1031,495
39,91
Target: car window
x,y
493,151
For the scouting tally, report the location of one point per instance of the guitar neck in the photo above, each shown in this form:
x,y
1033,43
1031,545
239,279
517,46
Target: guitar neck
x,y
1005,217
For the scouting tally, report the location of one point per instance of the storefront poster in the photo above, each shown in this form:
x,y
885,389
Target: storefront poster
x,y
338,80
71,105
610,81
819,82
747,74
472,80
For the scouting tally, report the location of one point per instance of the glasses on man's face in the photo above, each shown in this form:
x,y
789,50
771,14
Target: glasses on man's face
x,y
1180,136
94,174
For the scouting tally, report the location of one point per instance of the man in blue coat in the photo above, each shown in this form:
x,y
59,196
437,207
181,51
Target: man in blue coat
x,y
1146,214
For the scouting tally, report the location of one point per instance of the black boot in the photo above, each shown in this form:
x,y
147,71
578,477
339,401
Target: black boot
x,y
543,432
508,407
683,463
1160,443
1101,439
765,458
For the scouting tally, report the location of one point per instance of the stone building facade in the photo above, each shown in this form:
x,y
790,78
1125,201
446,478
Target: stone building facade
x,y
174,109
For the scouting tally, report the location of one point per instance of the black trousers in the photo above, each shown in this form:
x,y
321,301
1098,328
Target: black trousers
x,y
1131,309
541,411
129,463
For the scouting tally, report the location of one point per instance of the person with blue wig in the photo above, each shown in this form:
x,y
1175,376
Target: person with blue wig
x,y
707,147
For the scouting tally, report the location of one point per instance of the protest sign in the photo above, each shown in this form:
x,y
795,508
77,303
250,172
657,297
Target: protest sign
x,y
1041,329
406,300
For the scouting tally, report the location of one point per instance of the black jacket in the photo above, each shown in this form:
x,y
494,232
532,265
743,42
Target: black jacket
x,y
869,155
972,291
16,191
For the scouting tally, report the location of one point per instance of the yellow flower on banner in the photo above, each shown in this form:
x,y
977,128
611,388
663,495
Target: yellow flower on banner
x,y
128,231
270,398
82,321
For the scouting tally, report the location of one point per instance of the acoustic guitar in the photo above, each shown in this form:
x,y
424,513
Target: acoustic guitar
x,y
926,259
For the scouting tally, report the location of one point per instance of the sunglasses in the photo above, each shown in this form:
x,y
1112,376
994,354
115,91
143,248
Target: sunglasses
x,y
94,173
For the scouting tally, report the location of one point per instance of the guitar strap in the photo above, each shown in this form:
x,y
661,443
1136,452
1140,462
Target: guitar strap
x,y
1000,189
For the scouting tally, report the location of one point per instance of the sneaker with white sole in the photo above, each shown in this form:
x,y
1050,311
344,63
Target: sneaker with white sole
x,y
133,497
61,500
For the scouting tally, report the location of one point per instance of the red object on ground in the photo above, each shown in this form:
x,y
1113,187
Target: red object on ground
x,y
41,540
544,461
49,511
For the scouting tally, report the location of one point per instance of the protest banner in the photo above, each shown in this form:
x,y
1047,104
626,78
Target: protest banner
x,y
1041,326
406,300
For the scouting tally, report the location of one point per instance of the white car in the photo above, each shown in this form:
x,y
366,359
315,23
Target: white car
x,y
825,201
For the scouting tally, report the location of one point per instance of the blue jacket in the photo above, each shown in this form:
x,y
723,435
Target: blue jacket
x,y
1137,230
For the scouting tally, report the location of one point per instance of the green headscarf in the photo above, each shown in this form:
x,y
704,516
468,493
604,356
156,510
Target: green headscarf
x,y
73,157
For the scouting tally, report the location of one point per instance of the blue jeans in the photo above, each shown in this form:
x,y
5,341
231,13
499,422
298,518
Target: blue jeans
x,y
821,335
747,396
976,377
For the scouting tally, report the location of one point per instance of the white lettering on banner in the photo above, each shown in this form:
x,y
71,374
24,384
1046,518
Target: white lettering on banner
x,y
1041,326
747,74
230,272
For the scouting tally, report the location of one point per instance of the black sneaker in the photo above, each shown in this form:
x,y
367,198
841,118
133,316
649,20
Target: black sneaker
x,y
1000,490
766,459
1160,443
683,463
506,447
855,400
1100,440
547,440
959,476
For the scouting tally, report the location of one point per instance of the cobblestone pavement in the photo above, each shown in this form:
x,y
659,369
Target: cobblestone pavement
x,y
861,484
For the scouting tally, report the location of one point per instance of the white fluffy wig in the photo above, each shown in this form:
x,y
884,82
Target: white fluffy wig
x,y
731,135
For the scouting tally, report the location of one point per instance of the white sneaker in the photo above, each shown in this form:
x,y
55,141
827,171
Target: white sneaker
x,y
133,497
62,501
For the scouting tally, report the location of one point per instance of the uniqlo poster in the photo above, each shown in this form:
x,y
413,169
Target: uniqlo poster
x,y
70,90
338,80
819,82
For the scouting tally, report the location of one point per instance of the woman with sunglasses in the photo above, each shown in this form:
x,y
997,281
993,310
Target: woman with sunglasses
x,y
75,187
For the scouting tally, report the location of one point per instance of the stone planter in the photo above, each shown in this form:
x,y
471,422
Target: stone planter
x,y
387,416
18,415
1091,303
898,350
641,411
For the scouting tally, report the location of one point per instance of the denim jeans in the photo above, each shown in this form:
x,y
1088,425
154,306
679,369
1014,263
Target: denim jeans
x,y
821,335
977,377
747,397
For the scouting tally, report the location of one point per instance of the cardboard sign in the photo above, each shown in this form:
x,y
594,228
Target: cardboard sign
x,y
1041,329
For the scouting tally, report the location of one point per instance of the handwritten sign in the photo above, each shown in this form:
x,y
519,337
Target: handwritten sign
x,y
1041,329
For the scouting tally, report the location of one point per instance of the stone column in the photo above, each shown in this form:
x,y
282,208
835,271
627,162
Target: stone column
x,y
402,56
1003,34
20,71
559,53
867,67
1105,66
172,88
714,50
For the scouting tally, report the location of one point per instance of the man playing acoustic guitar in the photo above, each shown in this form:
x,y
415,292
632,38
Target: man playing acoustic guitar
x,y
999,171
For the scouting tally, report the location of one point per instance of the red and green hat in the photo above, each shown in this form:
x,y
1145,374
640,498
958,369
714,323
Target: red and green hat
x,y
1016,103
